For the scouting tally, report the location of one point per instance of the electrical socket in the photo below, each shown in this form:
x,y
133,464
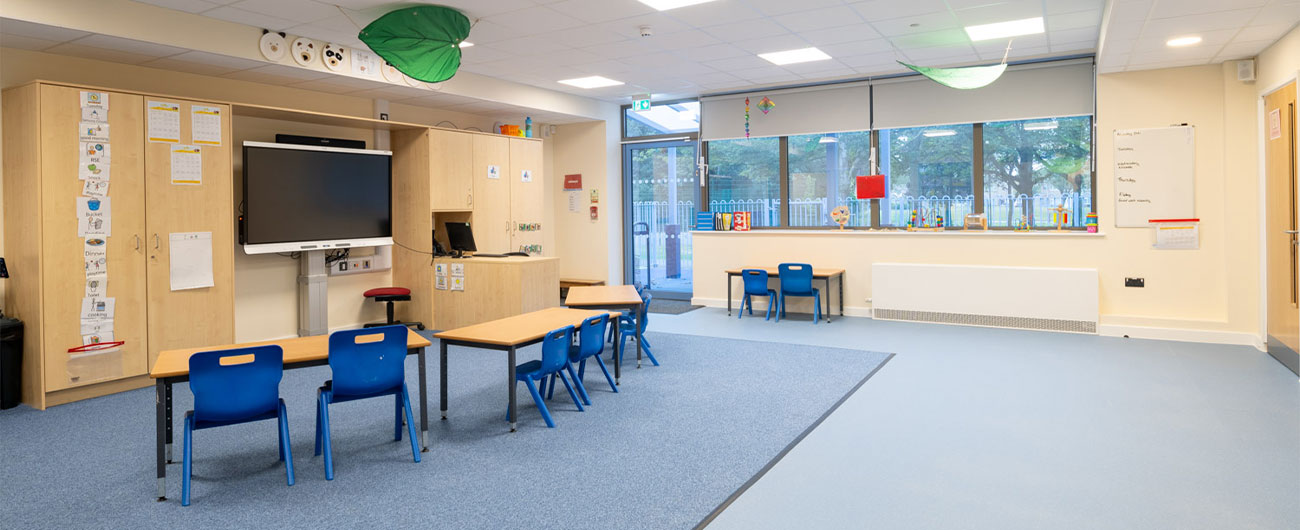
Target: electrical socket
x,y
1135,282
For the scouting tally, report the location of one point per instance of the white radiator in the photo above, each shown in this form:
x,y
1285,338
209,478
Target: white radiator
x,y
1056,299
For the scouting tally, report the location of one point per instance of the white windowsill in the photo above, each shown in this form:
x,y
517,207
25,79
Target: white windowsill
x,y
896,233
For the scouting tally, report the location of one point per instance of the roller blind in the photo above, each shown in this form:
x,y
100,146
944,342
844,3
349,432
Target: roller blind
x,y
1024,92
812,110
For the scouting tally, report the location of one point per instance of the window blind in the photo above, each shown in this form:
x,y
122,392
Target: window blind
x,y
809,110
1043,90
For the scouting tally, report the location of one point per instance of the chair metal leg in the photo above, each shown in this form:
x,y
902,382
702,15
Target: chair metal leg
x,y
541,405
319,405
325,437
410,422
397,421
187,460
582,390
601,363
569,387
287,453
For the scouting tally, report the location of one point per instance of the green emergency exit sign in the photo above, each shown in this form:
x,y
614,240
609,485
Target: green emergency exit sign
x,y
641,104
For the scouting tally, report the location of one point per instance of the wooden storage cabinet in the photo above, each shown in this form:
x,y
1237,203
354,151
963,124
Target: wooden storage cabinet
x,y
491,222
451,173
46,256
526,205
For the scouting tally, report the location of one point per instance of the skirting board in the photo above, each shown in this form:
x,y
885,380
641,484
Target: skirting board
x,y
835,308
1106,330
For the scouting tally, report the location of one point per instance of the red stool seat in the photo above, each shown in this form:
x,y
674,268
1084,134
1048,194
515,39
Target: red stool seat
x,y
387,291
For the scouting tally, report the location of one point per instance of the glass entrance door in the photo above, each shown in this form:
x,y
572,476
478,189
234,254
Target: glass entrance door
x,y
660,211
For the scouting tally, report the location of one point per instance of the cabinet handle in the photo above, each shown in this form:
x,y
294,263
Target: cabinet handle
x,y
156,242
469,199
137,242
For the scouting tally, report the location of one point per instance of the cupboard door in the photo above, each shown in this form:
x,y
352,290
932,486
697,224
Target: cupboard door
x,y
451,170
191,317
491,219
526,197
66,255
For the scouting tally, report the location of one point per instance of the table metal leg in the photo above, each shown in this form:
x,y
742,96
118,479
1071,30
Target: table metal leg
x,y
424,404
638,345
442,376
828,299
161,405
729,295
618,359
514,409
841,295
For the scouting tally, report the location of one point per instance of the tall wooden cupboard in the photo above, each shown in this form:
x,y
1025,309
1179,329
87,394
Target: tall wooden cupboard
x,y
48,259
447,175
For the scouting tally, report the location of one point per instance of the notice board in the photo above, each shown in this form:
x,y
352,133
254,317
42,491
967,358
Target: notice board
x,y
1155,175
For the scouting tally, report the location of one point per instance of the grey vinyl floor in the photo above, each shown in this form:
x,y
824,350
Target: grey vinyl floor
x,y
977,428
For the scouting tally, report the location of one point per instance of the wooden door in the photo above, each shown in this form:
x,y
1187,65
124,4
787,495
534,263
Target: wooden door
x,y
64,252
202,316
452,170
491,220
1282,290
527,195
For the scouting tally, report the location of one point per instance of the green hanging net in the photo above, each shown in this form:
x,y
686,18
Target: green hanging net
x,y
961,78
422,42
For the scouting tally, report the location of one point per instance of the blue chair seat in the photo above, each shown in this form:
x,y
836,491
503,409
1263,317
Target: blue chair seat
x,y
555,359
755,281
628,329
796,280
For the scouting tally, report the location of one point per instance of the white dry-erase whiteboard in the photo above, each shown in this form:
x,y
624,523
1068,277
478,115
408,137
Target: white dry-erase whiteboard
x,y
1155,175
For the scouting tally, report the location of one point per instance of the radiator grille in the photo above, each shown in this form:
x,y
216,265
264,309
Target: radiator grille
x,y
1046,324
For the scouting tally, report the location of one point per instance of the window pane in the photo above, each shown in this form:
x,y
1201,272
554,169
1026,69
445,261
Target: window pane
x,y
671,118
1032,167
744,176
930,171
822,168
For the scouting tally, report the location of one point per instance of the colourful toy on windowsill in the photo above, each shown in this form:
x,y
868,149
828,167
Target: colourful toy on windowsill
x,y
1060,217
1091,222
1023,224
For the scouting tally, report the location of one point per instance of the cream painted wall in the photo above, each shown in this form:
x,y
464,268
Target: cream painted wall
x,y
1210,294
265,286
1278,63
582,242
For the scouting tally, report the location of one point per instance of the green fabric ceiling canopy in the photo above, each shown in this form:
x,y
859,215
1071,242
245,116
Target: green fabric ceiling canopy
x,y
966,78
422,42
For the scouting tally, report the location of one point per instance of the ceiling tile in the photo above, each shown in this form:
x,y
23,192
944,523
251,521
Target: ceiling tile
x,y
129,45
535,20
249,18
713,13
619,49
188,6
528,46
942,55
1173,27
659,23
600,10
942,20
709,53
1179,8
737,31
871,59
854,32
480,8
1000,12
874,10
586,37
777,43
1079,19
276,74
296,10
683,39
936,38
204,63
862,47
815,19
780,7
1074,35
98,53
1086,46
1135,10
11,40
1058,7
1269,32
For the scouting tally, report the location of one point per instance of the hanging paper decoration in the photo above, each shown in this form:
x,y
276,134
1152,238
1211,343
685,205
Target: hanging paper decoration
x,y
766,104
422,42
746,117
961,78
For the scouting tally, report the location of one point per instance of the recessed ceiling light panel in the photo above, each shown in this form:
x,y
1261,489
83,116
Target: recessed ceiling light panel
x,y
1183,41
1002,30
664,5
939,133
802,55
594,81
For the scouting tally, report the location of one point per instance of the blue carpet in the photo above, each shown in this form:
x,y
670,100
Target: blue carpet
x,y
664,452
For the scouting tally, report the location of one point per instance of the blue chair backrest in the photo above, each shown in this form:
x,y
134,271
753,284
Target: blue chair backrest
x,y
645,311
796,278
555,349
238,388
363,365
591,335
755,281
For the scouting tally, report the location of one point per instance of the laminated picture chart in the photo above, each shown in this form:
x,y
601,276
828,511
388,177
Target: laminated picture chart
x,y
94,225
205,125
164,122
187,165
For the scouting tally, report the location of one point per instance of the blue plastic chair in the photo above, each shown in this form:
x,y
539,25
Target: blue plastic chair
x,y
590,346
555,357
235,391
756,285
796,280
628,328
365,370
626,315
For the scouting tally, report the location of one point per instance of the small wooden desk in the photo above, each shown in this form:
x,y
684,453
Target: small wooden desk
x,y
507,334
173,366
609,297
818,274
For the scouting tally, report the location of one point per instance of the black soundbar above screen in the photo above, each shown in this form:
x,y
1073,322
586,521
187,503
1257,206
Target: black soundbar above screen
x,y
302,197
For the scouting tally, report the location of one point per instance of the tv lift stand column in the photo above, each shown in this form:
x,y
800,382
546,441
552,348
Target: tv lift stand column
x,y
313,294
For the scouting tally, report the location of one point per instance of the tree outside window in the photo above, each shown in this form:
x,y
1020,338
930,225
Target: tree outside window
x,y
1033,166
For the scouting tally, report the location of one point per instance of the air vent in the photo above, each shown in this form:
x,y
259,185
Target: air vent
x,y
965,319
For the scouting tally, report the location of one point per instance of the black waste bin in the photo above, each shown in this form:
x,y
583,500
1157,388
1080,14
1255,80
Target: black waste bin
x,y
11,362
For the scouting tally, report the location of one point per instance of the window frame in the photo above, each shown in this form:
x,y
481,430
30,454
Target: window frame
x,y
977,181
622,123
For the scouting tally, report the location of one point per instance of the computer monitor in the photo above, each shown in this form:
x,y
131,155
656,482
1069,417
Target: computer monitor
x,y
460,237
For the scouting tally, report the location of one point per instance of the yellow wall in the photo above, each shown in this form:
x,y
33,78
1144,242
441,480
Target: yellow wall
x,y
1278,64
1209,294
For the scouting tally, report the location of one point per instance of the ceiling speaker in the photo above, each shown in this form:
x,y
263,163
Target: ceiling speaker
x,y
1246,70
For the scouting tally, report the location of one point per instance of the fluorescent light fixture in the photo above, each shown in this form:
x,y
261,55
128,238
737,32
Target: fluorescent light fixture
x,y
664,5
828,139
1002,30
594,81
1183,41
939,133
465,44
802,55
1041,125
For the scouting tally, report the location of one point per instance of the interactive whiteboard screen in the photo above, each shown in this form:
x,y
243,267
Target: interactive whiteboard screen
x,y
1155,175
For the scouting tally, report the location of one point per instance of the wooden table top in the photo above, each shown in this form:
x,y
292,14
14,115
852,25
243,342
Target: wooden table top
x,y
172,363
774,271
519,329
602,295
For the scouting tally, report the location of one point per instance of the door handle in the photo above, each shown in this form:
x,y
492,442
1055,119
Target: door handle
x,y
1292,232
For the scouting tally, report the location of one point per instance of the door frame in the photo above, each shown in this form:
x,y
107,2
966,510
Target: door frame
x,y
1262,121
629,240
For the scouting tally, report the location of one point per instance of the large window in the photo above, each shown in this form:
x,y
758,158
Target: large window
x,y
672,118
1035,166
1009,170
745,176
821,170
930,173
